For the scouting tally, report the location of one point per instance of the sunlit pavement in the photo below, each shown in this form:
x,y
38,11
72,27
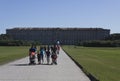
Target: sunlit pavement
x,y
65,70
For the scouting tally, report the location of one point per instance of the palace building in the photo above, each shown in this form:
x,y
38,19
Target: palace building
x,y
64,35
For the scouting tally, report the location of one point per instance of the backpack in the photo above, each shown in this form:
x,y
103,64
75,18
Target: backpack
x,y
41,52
48,53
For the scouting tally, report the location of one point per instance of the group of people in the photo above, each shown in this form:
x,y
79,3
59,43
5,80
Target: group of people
x,y
48,52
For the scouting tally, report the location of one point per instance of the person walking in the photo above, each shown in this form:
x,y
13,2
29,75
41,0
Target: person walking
x,y
41,56
32,52
48,56
54,55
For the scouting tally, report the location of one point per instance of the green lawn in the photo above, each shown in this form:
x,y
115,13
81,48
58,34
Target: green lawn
x,y
12,53
103,63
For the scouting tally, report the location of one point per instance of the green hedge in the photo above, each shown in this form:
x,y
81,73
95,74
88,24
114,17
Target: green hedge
x,y
101,43
17,43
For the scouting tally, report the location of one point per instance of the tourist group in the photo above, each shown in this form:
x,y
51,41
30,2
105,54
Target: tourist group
x,y
46,52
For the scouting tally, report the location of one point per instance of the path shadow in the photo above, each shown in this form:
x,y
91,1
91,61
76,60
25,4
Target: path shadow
x,y
21,64
29,64
43,64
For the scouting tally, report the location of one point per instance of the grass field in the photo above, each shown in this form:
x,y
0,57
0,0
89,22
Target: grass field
x,y
12,53
103,63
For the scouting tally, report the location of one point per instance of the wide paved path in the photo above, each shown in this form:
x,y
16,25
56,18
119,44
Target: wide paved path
x,y
19,70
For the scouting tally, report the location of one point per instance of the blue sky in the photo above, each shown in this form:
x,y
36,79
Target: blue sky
x,y
60,13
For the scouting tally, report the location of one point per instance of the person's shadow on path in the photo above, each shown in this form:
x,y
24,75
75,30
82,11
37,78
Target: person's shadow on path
x,y
28,64
20,64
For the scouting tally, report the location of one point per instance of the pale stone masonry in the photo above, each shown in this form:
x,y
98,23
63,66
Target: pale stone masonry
x,y
64,35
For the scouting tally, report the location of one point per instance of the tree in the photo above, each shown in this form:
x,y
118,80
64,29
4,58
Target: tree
x,y
5,37
115,36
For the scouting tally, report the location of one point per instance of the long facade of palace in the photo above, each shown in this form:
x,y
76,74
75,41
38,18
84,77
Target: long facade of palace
x,y
64,35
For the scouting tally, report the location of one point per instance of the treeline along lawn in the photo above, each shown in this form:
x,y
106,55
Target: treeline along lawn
x,y
11,53
103,63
